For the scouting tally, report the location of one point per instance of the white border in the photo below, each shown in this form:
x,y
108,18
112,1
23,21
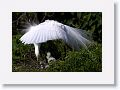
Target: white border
x,y
104,77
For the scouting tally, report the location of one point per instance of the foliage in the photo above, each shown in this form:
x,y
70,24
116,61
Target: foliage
x,y
68,60
79,61
89,60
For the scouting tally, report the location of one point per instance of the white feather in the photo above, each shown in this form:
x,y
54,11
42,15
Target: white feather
x,y
76,38
51,30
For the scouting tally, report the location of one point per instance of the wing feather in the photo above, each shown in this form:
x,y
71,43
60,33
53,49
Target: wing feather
x,y
76,39
50,30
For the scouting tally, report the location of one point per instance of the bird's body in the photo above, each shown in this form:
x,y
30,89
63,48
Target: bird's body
x,y
51,30
49,57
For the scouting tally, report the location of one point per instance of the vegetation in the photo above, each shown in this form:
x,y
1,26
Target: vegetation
x,y
68,60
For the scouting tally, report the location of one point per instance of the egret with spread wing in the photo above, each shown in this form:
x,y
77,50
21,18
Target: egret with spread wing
x,y
51,30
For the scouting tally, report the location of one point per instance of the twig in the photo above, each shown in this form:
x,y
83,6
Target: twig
x,y
43,18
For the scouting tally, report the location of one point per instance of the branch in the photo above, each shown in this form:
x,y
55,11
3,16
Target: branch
x,y
43,18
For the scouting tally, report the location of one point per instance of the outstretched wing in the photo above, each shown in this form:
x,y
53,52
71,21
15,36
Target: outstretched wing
x,y
76,37
49,30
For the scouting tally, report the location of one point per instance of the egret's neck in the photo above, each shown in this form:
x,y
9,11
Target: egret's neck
x,y
47,57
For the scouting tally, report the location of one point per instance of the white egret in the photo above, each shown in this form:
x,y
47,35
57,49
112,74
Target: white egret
x,y
51,30
49,57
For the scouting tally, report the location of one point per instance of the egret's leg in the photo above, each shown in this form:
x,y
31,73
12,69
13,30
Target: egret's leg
x,y
37,49
37,58
36,45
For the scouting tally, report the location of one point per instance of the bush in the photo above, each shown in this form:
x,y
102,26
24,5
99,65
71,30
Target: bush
x,y
80,61
89,60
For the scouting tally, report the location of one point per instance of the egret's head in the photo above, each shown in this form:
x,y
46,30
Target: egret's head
x,y
48,54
